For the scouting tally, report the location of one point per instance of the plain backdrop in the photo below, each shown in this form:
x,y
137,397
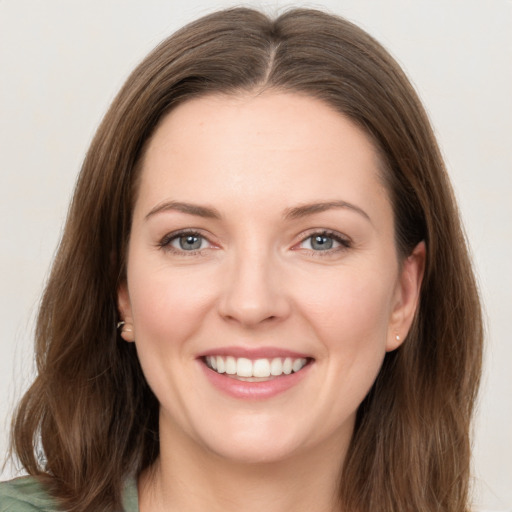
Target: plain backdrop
x,y
62,62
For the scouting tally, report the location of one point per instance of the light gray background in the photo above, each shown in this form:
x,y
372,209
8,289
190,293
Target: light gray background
x,y
62,61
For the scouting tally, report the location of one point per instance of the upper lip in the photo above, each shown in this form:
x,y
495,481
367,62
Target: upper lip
x,y
253,352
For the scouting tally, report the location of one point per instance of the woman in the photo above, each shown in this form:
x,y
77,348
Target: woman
x,y
263,297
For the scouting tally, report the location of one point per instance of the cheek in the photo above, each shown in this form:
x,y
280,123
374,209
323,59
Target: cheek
x,y
353,303
167,306
350,318
168,310
354,333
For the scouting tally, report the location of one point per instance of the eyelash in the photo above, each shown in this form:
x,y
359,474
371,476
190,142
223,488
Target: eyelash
x,y
345,243
166,241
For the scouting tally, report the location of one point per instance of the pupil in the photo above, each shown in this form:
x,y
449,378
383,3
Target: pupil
x,y
322,243
190,242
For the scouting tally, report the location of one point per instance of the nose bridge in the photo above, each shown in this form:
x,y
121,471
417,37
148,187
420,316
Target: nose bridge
x,y
253,291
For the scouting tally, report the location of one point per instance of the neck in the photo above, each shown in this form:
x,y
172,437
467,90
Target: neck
x,y
193,479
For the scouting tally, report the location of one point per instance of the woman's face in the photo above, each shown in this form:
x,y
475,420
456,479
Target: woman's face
x,y
262,278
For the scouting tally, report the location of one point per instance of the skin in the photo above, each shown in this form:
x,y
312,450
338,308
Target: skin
x,y
257,281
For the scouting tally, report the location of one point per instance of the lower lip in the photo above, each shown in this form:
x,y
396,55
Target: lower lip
x,y
254,390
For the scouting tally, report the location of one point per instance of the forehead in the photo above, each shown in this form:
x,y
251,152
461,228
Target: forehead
x,y
277,146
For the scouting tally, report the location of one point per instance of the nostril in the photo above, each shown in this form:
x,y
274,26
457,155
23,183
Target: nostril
x,y
252,295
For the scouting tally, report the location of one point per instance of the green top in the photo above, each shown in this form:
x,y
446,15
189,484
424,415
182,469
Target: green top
x,y
26,494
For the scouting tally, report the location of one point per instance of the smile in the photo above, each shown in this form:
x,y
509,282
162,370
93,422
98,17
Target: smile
x,y
243,368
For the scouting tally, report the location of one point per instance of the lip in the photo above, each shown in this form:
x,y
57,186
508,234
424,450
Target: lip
x,y
246,390
253,353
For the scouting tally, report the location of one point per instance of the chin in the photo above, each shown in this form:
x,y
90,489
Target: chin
x,y
254,442
253,453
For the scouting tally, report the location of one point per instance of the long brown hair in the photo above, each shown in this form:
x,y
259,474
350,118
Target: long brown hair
x,y
90,420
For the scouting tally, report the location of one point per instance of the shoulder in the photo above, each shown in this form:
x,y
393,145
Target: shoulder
x,y
25,494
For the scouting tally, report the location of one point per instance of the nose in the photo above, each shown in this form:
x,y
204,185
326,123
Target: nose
x,y
253,291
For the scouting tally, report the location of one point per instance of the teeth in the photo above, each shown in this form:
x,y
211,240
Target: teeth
x,y
297,365
231,365
276,367
221,365
244,367
260,368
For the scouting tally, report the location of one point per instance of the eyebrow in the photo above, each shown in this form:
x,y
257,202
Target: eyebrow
x,y
189,208
312,208
296,212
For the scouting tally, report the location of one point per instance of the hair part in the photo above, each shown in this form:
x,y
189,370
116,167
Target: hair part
x,y
90,405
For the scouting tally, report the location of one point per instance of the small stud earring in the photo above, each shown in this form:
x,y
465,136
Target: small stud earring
x,y
397,337
126,330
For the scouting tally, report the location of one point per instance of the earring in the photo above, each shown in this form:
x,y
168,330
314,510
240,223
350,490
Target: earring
x,y
126,330
397,337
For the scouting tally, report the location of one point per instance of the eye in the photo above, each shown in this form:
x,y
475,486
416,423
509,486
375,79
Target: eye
x,y
324,241
188,242
184,241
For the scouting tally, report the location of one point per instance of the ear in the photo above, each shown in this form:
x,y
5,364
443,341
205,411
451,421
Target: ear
x,y
407,296
125,311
